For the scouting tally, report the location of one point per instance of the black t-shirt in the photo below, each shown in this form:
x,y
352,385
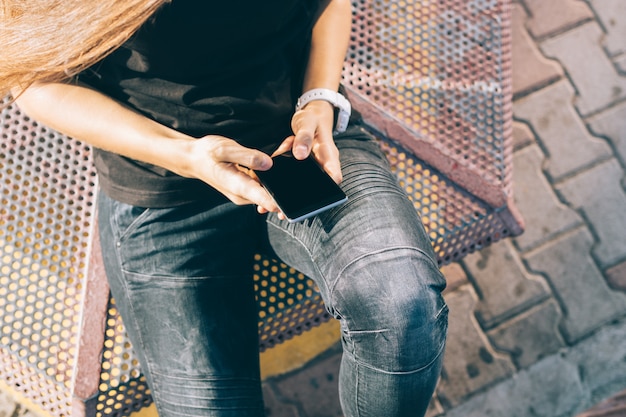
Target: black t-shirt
x,y
231,68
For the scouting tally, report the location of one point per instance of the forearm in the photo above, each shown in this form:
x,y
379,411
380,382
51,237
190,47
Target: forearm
x,y
329,43
98,120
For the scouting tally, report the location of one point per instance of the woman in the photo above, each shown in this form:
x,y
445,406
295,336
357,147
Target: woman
x,y
176,97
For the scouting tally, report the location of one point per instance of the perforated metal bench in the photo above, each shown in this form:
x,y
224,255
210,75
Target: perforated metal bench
x,y
433,82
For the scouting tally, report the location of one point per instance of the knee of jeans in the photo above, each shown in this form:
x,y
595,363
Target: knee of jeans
x,y
393,315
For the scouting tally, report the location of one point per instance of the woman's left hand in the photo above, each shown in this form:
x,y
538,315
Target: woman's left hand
x,y
313,133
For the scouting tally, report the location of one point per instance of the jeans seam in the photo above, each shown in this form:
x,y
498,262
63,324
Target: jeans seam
x,y
198,378
308,252
156,398
378,252
132,226
415,371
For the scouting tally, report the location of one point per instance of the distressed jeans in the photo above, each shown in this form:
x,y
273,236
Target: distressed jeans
x,y
182,280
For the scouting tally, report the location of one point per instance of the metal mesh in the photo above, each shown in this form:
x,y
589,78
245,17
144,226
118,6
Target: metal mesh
x,y
46,208
122,389
432,80
438,72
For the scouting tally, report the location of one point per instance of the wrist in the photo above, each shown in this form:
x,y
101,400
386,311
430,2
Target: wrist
x,y
341,105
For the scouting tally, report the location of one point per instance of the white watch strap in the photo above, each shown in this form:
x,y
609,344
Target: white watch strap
x,y
333,97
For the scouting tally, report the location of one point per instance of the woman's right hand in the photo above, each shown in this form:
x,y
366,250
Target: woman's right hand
x,y
225,165
98,120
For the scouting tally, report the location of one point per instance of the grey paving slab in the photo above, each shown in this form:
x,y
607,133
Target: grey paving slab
x,y
434,408
592,72
274,407
616,277
470,364
560,130
601,361
314,388
549,16
505,288
455,276
530,336
561,385
598,193
611,124
583,294
612,14
550,388
531,70
620,64
522,136
545,215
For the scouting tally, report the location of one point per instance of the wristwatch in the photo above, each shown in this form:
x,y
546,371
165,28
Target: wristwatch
x,y
333,97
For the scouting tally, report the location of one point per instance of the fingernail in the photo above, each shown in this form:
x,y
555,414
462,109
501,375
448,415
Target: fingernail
x,y
301,151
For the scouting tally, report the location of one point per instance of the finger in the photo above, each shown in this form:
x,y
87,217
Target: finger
x,y
327,155
286,146
232,152
304,129
241,188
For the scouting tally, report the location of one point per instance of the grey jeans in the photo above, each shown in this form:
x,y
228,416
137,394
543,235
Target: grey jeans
x,y
182,279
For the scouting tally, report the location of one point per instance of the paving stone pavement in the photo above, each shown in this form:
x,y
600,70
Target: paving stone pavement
x,y
538,322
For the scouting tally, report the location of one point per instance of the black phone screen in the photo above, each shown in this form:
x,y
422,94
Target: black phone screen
x,y
301,188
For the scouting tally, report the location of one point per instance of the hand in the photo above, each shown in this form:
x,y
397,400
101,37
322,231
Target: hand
x,y
225,165
312,127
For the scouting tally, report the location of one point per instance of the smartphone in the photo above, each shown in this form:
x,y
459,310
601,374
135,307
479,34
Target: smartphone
x,y
301,188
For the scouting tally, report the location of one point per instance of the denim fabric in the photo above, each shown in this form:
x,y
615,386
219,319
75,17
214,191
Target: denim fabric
x,y
182,279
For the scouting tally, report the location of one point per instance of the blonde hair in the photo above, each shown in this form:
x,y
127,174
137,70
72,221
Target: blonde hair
x,y
51,40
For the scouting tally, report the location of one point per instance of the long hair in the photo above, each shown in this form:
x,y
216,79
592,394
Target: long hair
x,y
51,40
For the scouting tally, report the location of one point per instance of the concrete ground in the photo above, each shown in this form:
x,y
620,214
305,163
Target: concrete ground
x,y
537,324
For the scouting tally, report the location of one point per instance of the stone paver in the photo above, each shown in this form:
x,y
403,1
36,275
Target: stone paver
x,y
609,12
455,277
531,335
550,16
550,389
583,294
504,286
612,407
274,407
620,64
531,69
434,408
601,361
616,277
522,136
599,194
314,389
469,363
597,82
560,130
560,385
612,125
544,214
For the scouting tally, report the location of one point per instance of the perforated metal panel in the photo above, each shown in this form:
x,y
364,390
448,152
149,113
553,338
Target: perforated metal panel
x,y
435,75
122,388
46,212
432,80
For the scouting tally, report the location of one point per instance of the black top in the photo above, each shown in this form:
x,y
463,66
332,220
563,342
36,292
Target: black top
x,y
231,68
